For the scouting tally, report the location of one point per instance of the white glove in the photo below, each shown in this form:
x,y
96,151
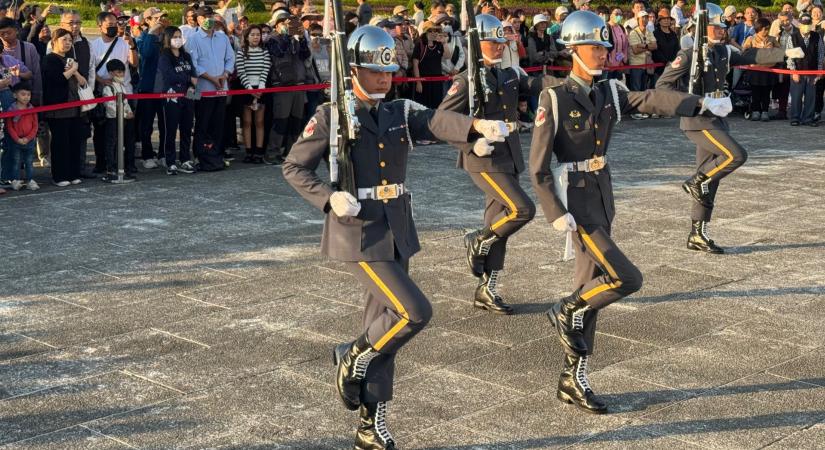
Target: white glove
x,y
565,223
795,52
344,204
492,130
720,107
482,148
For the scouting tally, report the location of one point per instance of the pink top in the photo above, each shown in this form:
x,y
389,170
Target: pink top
x,y
619,53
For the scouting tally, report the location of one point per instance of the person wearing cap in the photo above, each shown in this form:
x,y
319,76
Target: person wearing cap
x,y
426,62
289,50
541,50
454,55
638,5
148,46
400,11
803,87
582,5
559,14
729,16
642,43
371,229
717,153
214,61
364,12
508,207
574,122
667,42
514,51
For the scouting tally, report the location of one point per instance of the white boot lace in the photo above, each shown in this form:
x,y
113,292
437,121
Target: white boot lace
x,y
362,361
581,374
381,423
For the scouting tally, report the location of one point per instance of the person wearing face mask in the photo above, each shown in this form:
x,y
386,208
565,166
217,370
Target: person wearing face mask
x,y
404,47
513,49
783,30
620,46
106,48
717,153
371,230
179,76
574,122
116,76
508,207
214,60
148,46
803,87
426,62
455,56
289,50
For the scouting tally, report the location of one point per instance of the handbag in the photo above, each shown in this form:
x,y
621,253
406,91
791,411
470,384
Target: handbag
x,y
86,93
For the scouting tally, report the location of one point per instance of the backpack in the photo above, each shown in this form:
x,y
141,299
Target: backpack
x,y
210,157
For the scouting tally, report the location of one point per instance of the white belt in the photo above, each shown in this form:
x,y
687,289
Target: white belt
x,y
385,192
715,94
588,165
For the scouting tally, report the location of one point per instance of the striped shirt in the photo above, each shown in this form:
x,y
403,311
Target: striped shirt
x,y
253,69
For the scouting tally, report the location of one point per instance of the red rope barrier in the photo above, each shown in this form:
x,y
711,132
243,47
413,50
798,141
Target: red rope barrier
x,y
782,71
55,107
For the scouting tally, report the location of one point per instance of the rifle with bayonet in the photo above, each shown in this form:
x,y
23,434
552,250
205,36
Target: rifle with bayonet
x,y
344,125
479,92
700,49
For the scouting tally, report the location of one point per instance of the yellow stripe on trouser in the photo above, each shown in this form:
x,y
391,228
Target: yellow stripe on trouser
x,y
588,241
724,150
510,204
398,306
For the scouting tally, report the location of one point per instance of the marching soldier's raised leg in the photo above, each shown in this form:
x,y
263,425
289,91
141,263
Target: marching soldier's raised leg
x,y
717,154
369,224
494,94
574,122
508,209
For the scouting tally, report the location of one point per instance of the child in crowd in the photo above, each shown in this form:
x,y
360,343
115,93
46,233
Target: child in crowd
x,y
117,70
21,132
526,117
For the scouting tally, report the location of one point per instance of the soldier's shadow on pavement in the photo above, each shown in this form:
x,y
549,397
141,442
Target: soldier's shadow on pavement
x,y
697,295
747,249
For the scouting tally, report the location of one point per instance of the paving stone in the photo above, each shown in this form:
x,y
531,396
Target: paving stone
x,y
807,368
14,345
75,403
749,413
811,438
74,438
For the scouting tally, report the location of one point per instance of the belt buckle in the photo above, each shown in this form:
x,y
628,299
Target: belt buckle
x,y
595,164
387,192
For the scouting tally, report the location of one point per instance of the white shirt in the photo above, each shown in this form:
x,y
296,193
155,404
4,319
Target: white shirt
x,y
121,52
679,16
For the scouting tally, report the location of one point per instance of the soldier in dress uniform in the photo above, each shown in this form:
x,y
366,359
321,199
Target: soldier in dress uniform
x,y
574,121
717,153
508,208
373,231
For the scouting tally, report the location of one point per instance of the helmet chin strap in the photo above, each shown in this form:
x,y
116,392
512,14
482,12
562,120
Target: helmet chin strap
x,y
594,72
373,97
492,61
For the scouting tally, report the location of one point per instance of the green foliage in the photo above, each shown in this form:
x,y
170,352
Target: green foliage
x,y
254,6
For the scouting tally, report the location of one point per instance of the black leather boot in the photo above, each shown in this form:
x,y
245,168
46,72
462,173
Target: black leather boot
x,y
568,317
372,432
699,240
697,187
574,388
478,245
352,360
487,297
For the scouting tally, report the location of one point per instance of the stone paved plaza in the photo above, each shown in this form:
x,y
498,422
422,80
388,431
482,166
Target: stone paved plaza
x,y
196,312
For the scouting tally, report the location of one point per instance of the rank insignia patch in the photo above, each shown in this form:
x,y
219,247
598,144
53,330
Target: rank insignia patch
x,y
575,114
676,62
453,89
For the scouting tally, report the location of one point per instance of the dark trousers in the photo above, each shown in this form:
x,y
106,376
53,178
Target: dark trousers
x,y
780,93
110,129
287,120
179,118
313,100
603,274
507,209
209,114
820,91
99,143
717,156
803,99
760,98
147,110
638,79
396,310
67,147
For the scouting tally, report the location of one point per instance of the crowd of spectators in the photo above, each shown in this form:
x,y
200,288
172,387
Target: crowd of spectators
x,y
219,49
